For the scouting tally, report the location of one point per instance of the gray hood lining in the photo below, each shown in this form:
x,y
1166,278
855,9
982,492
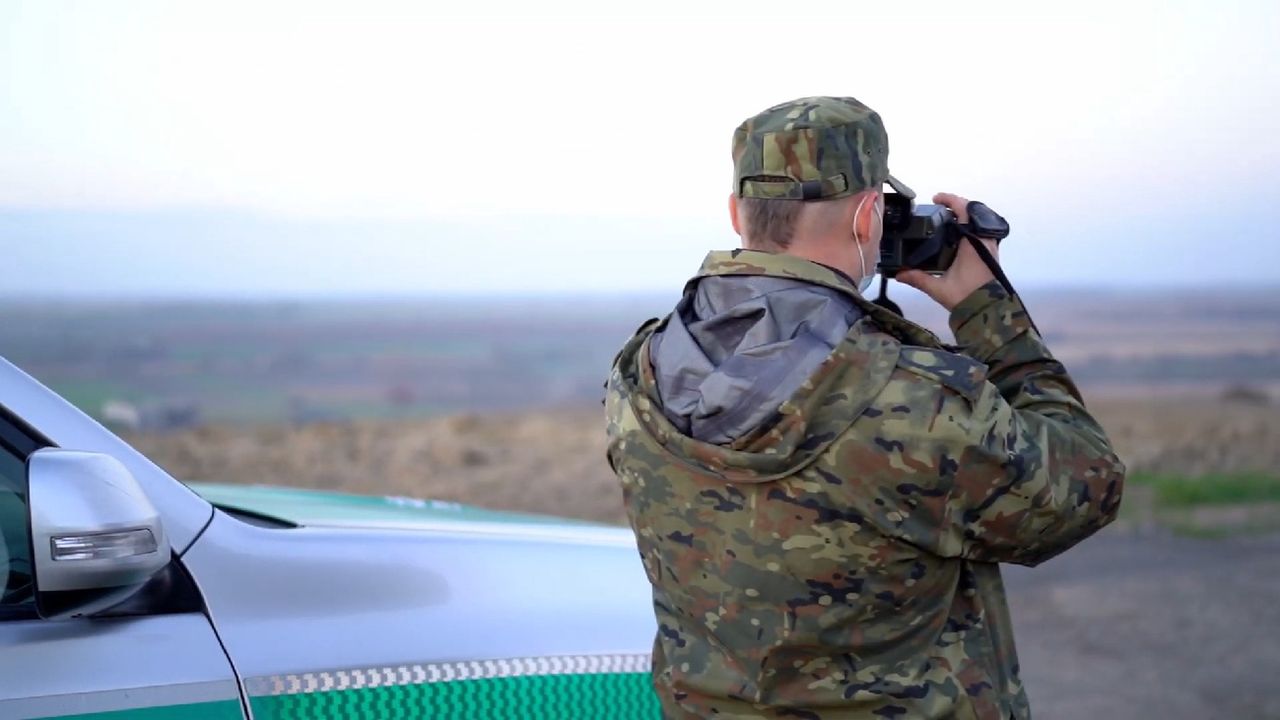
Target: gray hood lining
x,y
738,346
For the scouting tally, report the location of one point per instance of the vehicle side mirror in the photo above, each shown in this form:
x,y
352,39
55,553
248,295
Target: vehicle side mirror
x,y
95,537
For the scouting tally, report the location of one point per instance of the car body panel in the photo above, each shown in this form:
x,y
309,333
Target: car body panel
x,y
212,710
165,664
328,604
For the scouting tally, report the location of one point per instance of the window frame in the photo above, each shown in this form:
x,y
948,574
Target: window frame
x,y
21,440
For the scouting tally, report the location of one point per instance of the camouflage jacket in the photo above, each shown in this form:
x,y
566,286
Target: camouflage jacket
x,y
841,560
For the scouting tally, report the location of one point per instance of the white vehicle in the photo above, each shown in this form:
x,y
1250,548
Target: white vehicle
x,y
125,594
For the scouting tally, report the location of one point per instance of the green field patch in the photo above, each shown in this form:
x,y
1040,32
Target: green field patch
x,y
91,395
1177,491
1218,521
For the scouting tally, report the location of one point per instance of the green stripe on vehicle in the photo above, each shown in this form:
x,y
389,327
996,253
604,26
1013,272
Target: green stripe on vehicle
x,y
216,710
530,697
318,507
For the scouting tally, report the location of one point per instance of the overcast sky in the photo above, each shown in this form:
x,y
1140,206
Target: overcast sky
x,y
316,148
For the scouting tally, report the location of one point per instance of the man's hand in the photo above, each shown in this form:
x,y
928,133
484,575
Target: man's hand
x,y
967,273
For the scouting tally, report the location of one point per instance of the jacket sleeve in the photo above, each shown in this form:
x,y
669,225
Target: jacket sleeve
x,y
1036,473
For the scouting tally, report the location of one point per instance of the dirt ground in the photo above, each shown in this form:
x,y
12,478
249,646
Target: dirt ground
x,y
553,461
1145,625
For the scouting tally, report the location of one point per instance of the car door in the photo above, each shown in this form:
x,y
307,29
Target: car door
x,y
154,656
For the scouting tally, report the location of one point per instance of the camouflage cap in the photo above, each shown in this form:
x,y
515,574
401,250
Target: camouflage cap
x,y
814,148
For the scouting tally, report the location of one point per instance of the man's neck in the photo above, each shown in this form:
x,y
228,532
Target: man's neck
x,y
827,255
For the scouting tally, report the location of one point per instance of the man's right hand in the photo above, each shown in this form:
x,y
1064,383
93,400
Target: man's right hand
x,y
966,274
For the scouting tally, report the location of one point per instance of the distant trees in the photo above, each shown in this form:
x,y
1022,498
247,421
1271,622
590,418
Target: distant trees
x,y
1246,394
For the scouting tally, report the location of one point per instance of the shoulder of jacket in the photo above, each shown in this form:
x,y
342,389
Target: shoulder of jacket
x,y
954,371
650,324
641,333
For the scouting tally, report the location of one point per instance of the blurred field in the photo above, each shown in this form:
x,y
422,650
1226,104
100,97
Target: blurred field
x,y
553,461
495,401
166,365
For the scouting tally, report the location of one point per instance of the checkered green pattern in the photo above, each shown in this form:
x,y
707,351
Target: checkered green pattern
x,y
622,695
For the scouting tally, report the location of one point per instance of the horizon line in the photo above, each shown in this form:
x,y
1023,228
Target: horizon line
x,y
1206,288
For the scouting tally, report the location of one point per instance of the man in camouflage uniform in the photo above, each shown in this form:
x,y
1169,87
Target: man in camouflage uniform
x,y
821,490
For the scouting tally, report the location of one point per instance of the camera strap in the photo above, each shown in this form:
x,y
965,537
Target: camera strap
x,y
987,258
883,300
992,264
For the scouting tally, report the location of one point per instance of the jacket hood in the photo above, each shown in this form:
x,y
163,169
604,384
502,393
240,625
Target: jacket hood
x,y
738,346
755,373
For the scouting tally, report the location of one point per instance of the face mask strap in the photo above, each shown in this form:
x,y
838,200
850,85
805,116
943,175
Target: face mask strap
x,y
857,212
864,282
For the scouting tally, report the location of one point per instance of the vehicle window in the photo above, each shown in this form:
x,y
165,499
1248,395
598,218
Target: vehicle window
x,y
17,597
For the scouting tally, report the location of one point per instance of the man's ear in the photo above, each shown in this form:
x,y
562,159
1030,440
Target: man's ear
x,y
733,214
866,214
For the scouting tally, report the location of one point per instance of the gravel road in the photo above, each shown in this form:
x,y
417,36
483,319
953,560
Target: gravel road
x,y
1145,625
